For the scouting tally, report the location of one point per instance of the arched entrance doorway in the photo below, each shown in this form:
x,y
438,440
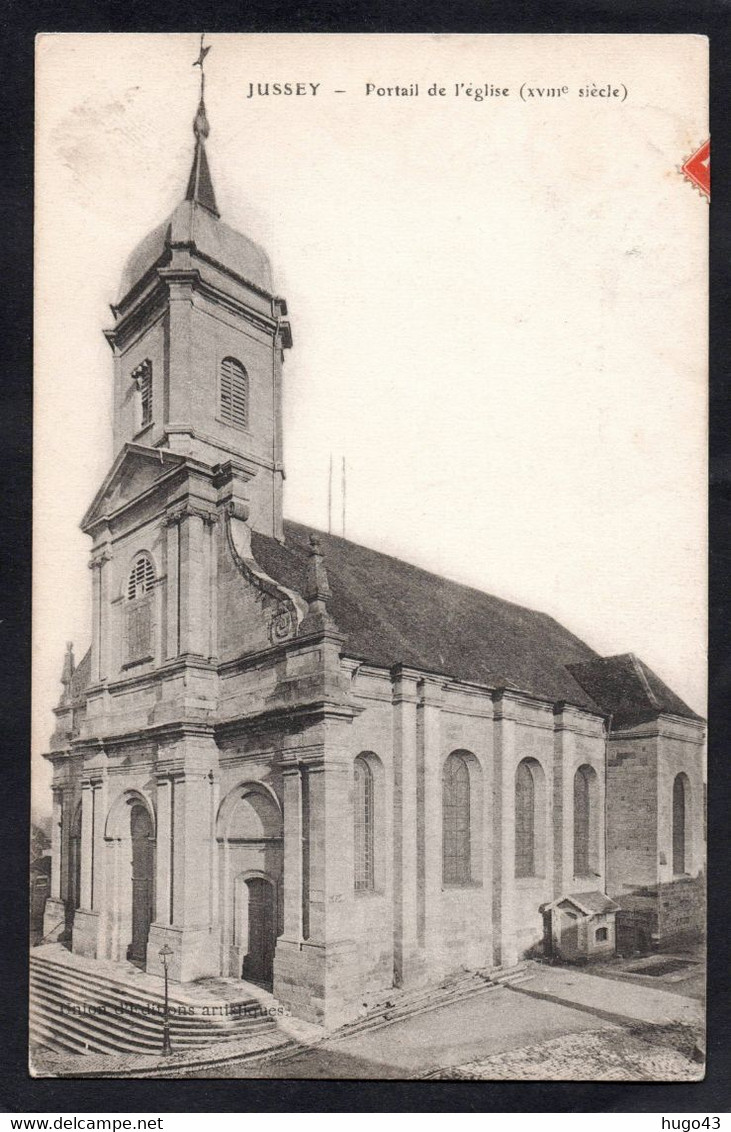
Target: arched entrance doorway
x,y
143,853
249,832
261,936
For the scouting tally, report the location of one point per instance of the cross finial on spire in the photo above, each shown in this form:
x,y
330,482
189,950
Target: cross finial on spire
x,y
200,185
200,61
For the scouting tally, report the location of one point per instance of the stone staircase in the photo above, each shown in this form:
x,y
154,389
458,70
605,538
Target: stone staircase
x,y
75,1009
403,1004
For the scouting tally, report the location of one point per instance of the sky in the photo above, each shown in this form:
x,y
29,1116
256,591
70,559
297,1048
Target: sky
x,y
498,307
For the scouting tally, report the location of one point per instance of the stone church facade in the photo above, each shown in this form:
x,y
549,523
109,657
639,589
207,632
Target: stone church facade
x,y
298,761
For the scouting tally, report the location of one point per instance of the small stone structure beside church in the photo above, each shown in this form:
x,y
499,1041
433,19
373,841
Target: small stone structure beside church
x,y
298,761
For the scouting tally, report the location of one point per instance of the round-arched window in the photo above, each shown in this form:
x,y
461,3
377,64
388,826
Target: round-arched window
x,y
141,577
363,820
456,848
139,619
234,393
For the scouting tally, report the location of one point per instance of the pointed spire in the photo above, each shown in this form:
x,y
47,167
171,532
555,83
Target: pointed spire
x,y
200,184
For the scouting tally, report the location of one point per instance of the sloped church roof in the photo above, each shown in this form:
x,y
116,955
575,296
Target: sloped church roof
x,y
397,613
393,612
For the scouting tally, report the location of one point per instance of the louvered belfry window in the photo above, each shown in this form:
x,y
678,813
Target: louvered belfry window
x,y
141,578
234,405
139,610
142,377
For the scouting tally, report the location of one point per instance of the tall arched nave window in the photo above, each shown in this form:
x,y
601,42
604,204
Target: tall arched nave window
x,y
681,807
363,824
529,801
456,835
586,822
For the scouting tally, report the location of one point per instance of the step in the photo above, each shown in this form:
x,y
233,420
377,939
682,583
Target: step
x,y
40,1031
117,982
68,989
106,1035
121,1033
400,1011
431,998
94,1036
83,1038
60,1031
84,977
102,985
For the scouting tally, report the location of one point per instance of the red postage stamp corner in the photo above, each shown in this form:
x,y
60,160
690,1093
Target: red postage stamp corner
x,y
697,168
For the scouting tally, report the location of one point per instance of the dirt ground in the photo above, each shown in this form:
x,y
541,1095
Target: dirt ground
x,y
638,1053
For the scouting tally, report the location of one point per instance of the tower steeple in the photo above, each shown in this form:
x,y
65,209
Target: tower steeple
x,y
199,337
200,184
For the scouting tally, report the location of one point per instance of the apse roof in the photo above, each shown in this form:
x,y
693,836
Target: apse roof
x,y
628,689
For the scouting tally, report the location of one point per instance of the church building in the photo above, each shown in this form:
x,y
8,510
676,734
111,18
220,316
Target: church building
x,y
299,762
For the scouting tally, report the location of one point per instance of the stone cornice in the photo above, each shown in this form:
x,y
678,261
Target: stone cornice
x,y
245,661
309,755
188,245
164,671
151,308
92,780
664,726
170,732
261,321
181,467
154,289
98,559
281,717
178,513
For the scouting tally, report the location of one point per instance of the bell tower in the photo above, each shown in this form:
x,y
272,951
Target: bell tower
x,y
198,341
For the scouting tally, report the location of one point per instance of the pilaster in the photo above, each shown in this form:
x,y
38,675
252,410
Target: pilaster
x,y
315,965
564,748
429,817
178,376
409,967
185,860
99,607
57,862
503,909
85,934
190,598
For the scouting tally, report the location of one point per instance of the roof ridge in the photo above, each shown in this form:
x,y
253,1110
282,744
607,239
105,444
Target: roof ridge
x,y
638,666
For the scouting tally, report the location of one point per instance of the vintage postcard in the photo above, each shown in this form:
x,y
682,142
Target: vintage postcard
x,y
369,579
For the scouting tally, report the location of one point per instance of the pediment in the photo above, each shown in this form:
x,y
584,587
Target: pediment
x,y
135,471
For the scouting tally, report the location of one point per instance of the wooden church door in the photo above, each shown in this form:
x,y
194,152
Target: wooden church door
x,y
142,870
259,960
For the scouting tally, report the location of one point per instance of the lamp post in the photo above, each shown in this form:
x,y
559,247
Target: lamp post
x,y
165,953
